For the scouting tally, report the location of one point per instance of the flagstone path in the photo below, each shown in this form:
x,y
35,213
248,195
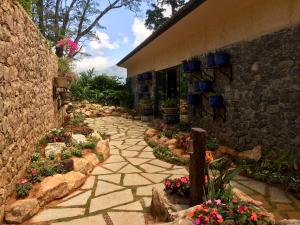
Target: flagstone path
x,y
119,191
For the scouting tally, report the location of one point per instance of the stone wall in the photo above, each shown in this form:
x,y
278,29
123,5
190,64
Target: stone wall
x,y
263,100
27,107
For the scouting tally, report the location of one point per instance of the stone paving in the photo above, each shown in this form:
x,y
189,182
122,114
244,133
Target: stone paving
x,y
280,203
119,191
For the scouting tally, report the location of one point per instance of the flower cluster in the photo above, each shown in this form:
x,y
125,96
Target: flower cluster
x,y
58,135
23,188
234,212
179,186
68,45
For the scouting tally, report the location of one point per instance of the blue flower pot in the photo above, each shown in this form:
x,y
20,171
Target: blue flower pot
x,y
211,60
147,76
185,66
194,65
193,99
204,86
222,59
216,101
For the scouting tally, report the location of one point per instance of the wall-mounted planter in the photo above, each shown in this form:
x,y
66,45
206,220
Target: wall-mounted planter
x,y
62,82
216,101
193,65
170,111
193,99
211,60
204,86
222,59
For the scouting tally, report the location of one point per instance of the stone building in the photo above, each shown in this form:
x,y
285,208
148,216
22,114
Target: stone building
x,y
260,85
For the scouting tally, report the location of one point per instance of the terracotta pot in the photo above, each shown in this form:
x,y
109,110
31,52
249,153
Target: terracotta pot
x,y
62,82
170,111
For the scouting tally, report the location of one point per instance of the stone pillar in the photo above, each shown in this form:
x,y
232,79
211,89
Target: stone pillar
x,y
197,166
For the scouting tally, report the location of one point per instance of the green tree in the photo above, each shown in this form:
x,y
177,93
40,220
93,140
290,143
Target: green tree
x,y
27,5
155,17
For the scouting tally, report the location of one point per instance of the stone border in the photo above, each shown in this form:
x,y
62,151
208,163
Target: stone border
x,y
57,186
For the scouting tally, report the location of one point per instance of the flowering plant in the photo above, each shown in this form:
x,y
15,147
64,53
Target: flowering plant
x,y
232,212
179,186
69,46
23,188
58,135
33,175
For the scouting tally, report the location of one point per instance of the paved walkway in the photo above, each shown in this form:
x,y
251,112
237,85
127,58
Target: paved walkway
x,y
119,191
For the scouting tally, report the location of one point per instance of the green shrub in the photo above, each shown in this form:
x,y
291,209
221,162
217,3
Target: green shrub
x,y
35,157
170,103
77,152
212,144
66,154
78,119
152,144
27,5
65,65
184,126
164,153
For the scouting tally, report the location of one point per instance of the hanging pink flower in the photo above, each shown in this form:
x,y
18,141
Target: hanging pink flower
x,y
69,45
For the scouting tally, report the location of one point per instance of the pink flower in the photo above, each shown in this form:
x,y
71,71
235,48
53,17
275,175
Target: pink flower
x,y
168,183
198,221
33,172
24,181
178,184
208,202
218,201
219,218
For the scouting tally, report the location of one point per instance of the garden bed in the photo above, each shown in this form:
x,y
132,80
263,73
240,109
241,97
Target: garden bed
x,y
62,162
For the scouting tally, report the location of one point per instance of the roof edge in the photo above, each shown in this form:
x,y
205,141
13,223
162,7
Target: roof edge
x,y
189,7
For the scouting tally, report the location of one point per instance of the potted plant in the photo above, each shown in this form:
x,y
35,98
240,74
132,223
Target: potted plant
x,y
146,105
170,106
216,100
193,99
62,82
191,65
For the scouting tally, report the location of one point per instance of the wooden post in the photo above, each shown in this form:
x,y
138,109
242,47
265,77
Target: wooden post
x,y
197,166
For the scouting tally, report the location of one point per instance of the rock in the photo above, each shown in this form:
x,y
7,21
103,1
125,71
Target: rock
x,y
82,165
52,188
74,180
54,148
178,152
92,158
172,141
96,135
67,164
78,138
162,209
254,154
289,222
21,210
245,198
151,132
227,151
1,214
103,147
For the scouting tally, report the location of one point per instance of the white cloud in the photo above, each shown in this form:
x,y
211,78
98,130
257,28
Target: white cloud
x,y
125,40
103,41
99,63
168,10
140,32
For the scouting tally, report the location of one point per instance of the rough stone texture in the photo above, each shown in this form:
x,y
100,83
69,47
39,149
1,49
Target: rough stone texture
x,y
82,165
21,210
54,148
27,108
289,222
92,158
74,180
103,147
78,138
1,214
52,188
262,101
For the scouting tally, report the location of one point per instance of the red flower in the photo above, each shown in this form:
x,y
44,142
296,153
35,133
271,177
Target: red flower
x,y
178,184
33,172
168,183
219,218
254,217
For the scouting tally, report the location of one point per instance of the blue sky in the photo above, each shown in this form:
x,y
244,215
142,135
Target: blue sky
x,y
124,31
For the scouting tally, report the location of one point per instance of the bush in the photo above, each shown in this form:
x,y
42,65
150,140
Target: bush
x,y
27,5
212,144
66,154
23,188
35,157
165,154
178,186
77,152
152,144
102,89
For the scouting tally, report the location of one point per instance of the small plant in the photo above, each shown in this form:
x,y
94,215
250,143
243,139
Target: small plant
x,y
165,154
178,186
104,135
212,144
170,103
88,145
100,156
183,126
167,133
33,176
23,188
58,135
78,119
66,154
77,152
51,156
152,144
35,157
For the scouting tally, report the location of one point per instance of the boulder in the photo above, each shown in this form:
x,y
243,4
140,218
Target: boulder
x,y
92,158
227,151
254,154
246,198
74,180
103,147
78,138
54,148
172,141
289,222
82,165
67,164
96,135
51,188
21,210
151,132
164,207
